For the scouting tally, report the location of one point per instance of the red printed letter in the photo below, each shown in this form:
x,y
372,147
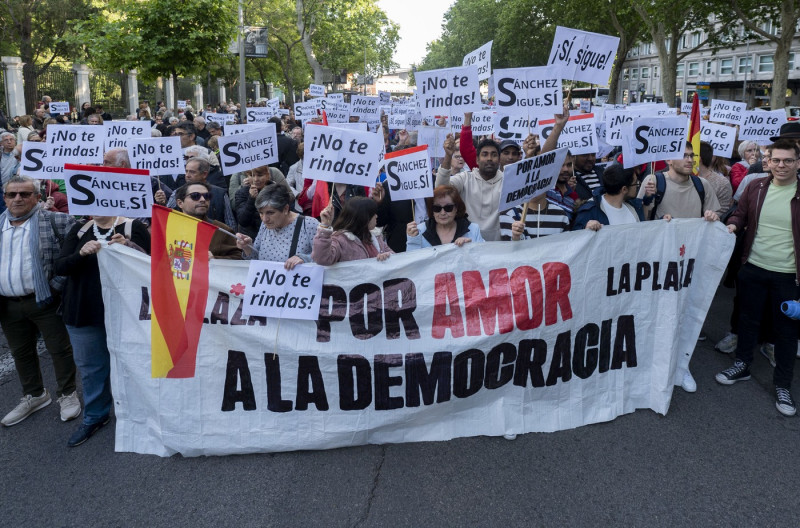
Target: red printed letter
x,y
446,311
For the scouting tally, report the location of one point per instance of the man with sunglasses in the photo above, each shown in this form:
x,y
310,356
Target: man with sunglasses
x,y
768,216
219,207
30,242
194,199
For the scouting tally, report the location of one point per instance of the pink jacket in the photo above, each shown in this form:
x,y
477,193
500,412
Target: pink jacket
x,y
340,246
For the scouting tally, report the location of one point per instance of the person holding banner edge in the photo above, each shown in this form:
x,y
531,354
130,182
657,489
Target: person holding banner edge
x,y
448,222
351,236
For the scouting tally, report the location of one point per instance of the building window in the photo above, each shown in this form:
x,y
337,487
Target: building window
x,y
626,74
655,72
726,66
684,41
634,73
765,64
710,68
791,61
770,28
694,69
745,64
668,43
645,72
696,39
679,71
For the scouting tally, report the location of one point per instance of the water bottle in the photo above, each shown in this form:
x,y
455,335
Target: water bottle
x,y
791,309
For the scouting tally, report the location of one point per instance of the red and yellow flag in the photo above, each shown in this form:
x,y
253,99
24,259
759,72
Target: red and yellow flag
x,y
179,290
694,132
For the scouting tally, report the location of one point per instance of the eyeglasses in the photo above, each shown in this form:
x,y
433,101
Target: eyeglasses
x,y
197,195
22,194
786,161
449,208
688,156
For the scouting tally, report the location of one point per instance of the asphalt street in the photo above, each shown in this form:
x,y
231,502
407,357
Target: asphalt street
x,y
723,456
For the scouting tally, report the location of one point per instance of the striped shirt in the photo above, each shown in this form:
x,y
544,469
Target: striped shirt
x,y
549,221
591,179
16,266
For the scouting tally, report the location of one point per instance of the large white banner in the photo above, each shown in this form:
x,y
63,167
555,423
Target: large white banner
x,y
439,343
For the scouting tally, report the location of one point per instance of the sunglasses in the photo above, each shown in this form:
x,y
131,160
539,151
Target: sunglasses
x,y
449,208
197,195
22,194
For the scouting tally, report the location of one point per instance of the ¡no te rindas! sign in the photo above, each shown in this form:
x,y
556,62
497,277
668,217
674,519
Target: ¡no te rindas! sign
x,y
510,338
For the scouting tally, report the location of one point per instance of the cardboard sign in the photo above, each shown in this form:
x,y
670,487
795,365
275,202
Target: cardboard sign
x,y
231,130
342,156
408,173
720,137
305,111
727,112
482,123
161,156
259,114
760,126
119,132
481,58
316,90
514,127
615,119
397,121
336,111
70,143
241,152
583,56
531,177
222,119
366,108
60,107
274,102
579,134
434,137
586,106
275,292
339,97
647,139
181,104
108,191
413,121
448,91
34,162
385,97
528,91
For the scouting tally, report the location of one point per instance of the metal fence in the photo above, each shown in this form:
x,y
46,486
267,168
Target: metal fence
x,y
57,81
109,89
3,100
185,90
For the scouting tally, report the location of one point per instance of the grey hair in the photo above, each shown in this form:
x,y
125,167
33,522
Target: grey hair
x,y
4,134
198,151
276,196
118,157
23,179
154,132
200,118
744,145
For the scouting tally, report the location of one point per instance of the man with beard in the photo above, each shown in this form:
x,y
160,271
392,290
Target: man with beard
x,y
587,175
562,194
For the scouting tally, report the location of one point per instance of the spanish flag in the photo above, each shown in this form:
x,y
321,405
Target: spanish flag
x,y
179,290
694,132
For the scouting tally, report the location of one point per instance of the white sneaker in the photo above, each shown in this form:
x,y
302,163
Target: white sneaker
x,y
768,351
27,406
510,436
728,343
688,384
70,406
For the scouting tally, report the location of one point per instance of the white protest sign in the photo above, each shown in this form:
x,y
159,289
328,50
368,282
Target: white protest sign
x,y
231,130
586,106
408,173
583,56
514,127
119,132
273,291
385,97
34,163
760,126
181,104
259,114
603,148
615,119
647,139
283,111
720,137
482,123
727,112
456,122
686,108
60,107
108,191
241,152
70,143
413,122
342,156
366,108
316,90
397,121
335,111
528,91
274,102
222,119
336,97
434,137
579,134
531,177
161,156
360,126
448,91
481,58
305,111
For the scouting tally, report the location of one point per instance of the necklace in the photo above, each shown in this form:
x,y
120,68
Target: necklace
x,y
103,239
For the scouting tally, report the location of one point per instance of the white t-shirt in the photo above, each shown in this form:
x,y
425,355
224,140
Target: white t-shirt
x,y
620,216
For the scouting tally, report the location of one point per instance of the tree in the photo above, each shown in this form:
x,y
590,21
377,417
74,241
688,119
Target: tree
x,y
751,14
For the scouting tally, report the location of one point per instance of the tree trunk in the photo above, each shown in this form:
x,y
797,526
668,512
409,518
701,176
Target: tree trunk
x,y
305,36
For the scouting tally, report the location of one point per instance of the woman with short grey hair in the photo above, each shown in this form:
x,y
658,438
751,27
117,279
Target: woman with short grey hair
x,y
284,236
750,153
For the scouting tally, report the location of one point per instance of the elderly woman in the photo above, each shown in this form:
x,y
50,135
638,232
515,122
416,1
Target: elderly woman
x,y
750,153
447,222
351,237
25,128
284,236
245,198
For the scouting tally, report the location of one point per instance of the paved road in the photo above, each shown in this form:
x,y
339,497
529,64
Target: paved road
x,y
722,456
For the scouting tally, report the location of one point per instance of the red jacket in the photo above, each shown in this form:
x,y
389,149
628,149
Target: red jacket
x,y
748,212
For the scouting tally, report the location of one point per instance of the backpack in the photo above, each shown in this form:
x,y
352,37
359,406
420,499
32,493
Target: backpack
x,y
661,187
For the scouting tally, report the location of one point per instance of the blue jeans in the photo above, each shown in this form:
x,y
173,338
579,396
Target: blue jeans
x,y
94,364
